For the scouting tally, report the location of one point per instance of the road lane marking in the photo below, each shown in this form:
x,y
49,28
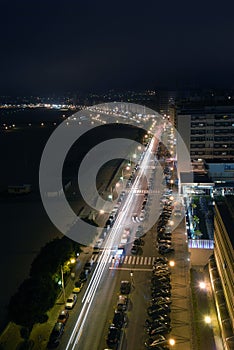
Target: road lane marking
x,y
137,260
129,269
133,259
149,260
141,262
145,261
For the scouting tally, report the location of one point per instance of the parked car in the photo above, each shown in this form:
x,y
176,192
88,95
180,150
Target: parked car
x,y
88,265
135,249
161,300
122,303
83,276
56,335
160,329
159,340
138,241
71,301
113,336
63,316
78,287
165,250
119,319
125,287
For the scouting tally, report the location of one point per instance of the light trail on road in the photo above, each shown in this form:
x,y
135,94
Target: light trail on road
x,y
111,243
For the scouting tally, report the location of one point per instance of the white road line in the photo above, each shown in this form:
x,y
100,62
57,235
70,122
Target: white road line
x,y
137,260
153,260
141,262
125,259
129,269
129,260
149,260
145,261
133,259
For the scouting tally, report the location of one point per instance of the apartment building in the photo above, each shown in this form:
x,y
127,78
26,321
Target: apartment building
x,y
207,130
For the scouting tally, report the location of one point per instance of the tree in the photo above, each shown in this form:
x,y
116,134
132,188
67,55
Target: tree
x,y
193,205
196,221
197,234
32,300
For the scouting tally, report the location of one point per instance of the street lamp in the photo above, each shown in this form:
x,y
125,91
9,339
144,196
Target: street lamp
x,y
62,284
202,285
171,342
127,168
207,319
172,263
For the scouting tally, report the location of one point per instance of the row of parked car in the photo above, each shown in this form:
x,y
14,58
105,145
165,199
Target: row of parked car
x,y
119,319
158,326
164,233
59,326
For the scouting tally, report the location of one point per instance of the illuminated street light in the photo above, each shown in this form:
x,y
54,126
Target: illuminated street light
x,y
171,342
202,285
73,260
171,263
101,211
207,319
171,182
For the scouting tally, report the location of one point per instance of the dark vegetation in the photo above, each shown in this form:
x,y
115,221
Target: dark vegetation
x,y
37,294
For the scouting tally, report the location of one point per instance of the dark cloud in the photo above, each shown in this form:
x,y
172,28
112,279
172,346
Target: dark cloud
x,y
49,46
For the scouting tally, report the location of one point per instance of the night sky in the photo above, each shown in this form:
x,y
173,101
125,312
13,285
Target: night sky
x,y
60,46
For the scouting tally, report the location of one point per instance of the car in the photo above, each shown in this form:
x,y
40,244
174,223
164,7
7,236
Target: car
x,y
83,276
161,317
122,303
135,249
125,287
138,241
160,292
177,213
113,336
160,285
78,287
160,279
56,335
63,316
151,324
152,308
165,250
71,301
160,329
97,246
161,300
164,241
119,319
161,259
88,266
159,340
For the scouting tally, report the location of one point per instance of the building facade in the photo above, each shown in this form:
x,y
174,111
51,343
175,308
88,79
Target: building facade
x,y
208,131
224,250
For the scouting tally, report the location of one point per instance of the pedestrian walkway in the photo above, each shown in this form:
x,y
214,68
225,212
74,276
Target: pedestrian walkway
x,y
129,260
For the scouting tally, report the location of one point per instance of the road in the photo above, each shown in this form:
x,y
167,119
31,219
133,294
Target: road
x,y
97,303
102,290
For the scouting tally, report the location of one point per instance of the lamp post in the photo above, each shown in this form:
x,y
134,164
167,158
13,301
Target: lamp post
x,y
62,280
132,279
